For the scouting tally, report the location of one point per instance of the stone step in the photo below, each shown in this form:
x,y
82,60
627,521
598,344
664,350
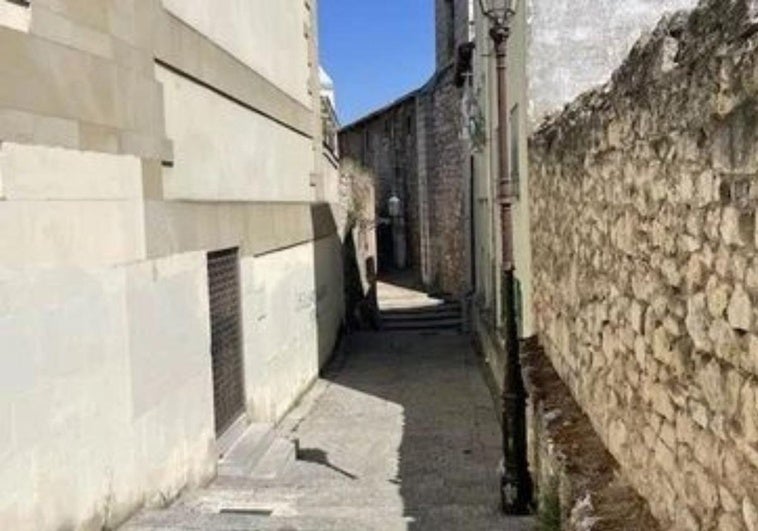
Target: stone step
x,y
401,310
420,316
428,324
244,454
275,461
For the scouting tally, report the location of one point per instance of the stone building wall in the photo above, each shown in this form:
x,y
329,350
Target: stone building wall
x,y
643,201
385,144
136,137
447,205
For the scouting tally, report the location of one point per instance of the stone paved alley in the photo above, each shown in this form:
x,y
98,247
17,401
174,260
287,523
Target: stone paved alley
x,y
400,433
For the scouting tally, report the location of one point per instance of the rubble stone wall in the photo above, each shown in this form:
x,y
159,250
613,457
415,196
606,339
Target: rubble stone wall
x,y
643,199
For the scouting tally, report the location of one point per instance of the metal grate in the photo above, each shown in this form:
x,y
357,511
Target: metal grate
x,y
226,337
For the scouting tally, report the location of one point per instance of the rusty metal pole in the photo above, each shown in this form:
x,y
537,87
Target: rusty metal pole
x,y
515,484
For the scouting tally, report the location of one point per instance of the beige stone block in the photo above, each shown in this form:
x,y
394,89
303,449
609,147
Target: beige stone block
x,y
750,514
145,146
212,136
134,21
717,294
697,322
54,85
132,58
728,502
751,277
85,12
52,131
685,428
730,522
31,172
750,363
740,310
27,128
725,341
71,232
749,413
55,27
699,413
730,227
662,403
93,137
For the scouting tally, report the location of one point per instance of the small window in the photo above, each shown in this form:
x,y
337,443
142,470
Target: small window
x,y
516,151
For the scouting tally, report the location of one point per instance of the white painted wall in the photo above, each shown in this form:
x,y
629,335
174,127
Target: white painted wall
x,y
292,306
223,151
105,390
268,36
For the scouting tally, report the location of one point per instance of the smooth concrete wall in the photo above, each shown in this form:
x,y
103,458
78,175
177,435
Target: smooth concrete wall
x,y
486,188
575,45
269,37
292,307
223,151
111,406
518,105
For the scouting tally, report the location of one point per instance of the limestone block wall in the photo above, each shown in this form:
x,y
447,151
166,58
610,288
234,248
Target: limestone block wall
x,y
643,200
446,186
386,143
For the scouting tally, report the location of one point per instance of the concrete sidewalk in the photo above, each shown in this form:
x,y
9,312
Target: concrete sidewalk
x,y
401,434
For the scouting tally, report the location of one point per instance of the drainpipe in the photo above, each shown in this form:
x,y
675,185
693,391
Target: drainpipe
x,y
515,484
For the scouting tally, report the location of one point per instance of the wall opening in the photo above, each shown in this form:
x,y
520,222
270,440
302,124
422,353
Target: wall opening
x,y
226,337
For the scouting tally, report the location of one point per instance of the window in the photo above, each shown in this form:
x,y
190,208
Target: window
x,y
515,151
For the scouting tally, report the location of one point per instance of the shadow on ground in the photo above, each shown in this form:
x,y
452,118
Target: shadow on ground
x,y
407,429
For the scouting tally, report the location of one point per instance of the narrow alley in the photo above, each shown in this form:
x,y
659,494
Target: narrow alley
x,y
399,433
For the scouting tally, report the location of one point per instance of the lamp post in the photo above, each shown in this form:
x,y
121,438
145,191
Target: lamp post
x,y
515,484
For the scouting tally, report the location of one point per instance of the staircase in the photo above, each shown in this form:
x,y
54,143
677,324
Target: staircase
x,y
445,316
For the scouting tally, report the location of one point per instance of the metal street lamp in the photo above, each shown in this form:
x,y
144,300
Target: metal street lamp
x,y
515,484
498,10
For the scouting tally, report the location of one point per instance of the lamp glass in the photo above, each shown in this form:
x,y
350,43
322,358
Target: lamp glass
x,y
498,8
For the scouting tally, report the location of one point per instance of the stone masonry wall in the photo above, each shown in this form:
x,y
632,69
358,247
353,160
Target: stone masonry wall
x,y
643,198
446,185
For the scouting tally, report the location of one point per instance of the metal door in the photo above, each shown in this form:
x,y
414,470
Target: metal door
x,y
226,337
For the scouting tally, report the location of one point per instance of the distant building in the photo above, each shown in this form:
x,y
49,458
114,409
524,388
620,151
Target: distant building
x,y
417,150
170,261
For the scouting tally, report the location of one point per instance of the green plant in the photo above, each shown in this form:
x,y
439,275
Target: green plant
x,y
549,510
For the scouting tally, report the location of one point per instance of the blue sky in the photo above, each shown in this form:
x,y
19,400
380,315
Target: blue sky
x,y
375,50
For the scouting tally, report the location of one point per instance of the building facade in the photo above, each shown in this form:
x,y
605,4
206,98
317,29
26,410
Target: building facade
x,y
417,150
170,258
635,154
